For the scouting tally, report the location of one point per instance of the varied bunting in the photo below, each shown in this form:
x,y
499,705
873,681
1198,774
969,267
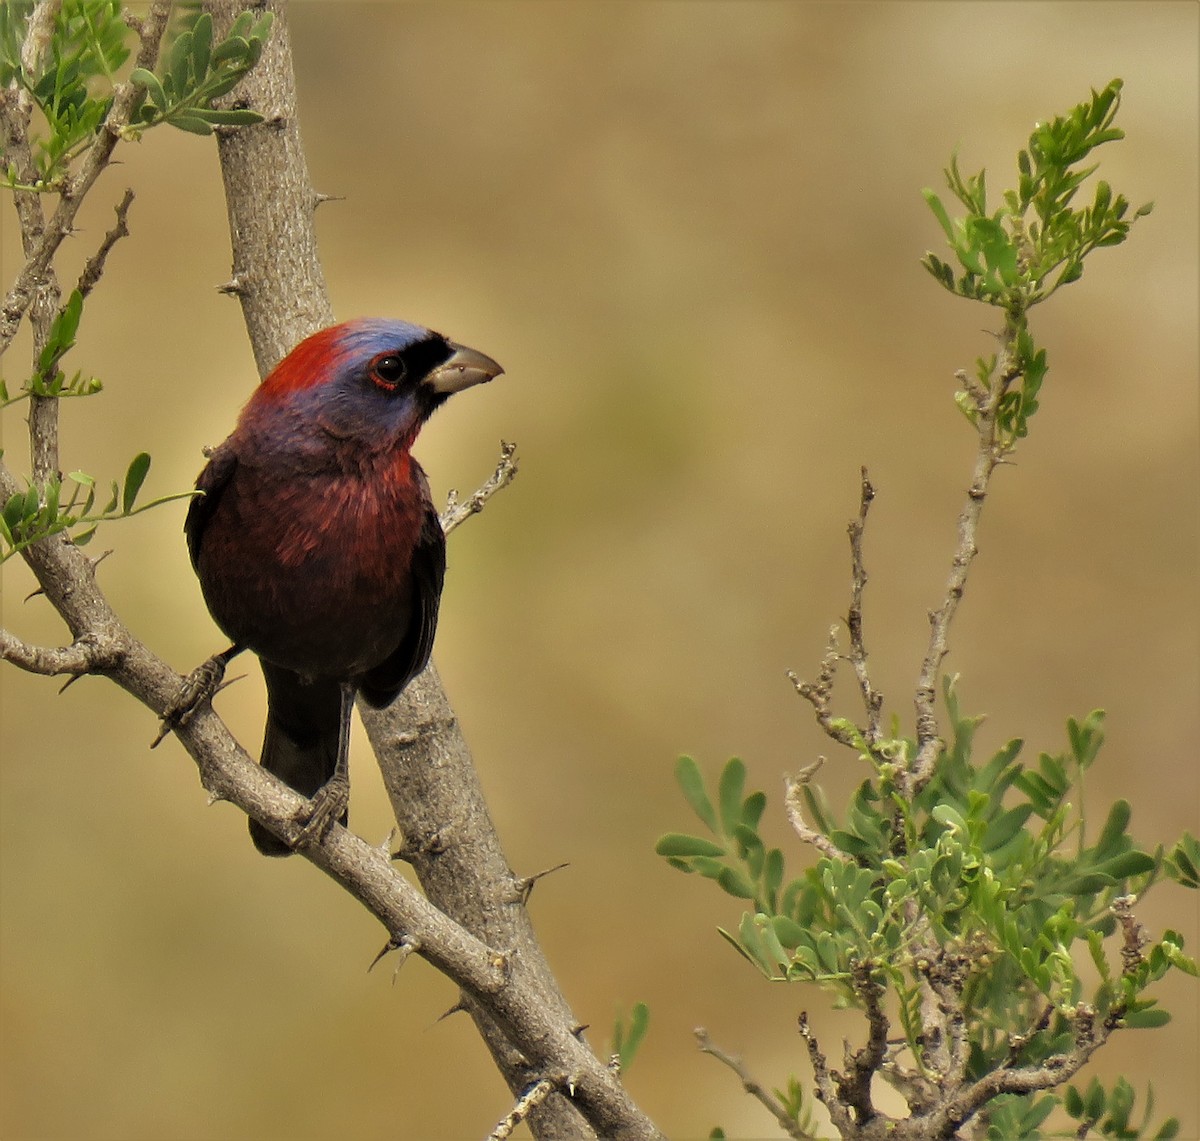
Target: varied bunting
x,y
318,547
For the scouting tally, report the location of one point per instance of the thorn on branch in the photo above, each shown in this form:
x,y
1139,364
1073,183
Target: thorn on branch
x,y
458,1008
404,944
523,886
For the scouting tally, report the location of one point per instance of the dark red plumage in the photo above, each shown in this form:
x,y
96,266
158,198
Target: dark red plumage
x,y
317,544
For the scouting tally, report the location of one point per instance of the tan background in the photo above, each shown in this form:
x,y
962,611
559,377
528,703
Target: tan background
x,y
690,232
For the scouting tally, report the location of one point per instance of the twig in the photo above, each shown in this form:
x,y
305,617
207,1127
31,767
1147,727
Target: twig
x,y
457,512
88,654
872,699
772,1104
792,796
94,268
855,1085
1133,934
817,694
525,1104
38,33
945,972
988,456
826,1094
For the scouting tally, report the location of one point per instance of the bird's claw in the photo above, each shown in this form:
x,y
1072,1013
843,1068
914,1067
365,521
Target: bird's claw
x,y
328,804
198,687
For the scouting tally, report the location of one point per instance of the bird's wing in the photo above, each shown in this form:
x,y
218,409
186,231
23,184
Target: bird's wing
x,y
380,685
212,481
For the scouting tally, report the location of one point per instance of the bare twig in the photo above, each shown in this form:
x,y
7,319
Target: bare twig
x,y
817,694
525,1105
753,1087
792,796
94,268
823,1080
872,699
88,654
989,454
855,1085
458,512
38,33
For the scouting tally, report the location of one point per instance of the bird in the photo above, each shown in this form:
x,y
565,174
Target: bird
x,y
318,547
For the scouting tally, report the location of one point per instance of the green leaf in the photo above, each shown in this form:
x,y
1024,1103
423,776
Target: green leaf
x,y
1127,864
680,844
201,45
752,809
627,1038
237,117
14,509
191,124
234,49
1147,1019
735,883
134,478
939,212
150,81
687,776
729,794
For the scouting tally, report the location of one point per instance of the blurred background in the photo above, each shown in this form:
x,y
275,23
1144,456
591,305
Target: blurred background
x,y
690,233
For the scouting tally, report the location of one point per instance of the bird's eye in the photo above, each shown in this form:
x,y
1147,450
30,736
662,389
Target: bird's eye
x,y
388,370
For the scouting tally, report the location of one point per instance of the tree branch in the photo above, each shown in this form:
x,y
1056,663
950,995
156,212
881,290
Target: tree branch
x,y
426,764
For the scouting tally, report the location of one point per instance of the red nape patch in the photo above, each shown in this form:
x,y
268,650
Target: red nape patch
x,y
310,363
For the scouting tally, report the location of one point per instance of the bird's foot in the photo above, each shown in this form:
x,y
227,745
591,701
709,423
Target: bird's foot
x,y
328,805
199,686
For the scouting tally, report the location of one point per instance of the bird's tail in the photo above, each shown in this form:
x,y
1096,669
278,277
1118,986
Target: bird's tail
x,y
300,742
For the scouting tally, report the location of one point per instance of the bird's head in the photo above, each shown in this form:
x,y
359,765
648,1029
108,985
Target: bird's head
x,y
371,381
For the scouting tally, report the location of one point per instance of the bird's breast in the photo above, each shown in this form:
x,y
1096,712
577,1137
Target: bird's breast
x,y
314,574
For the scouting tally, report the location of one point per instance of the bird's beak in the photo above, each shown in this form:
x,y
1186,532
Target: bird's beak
x,y
464,369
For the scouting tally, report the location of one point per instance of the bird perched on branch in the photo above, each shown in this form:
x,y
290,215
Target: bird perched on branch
x,y
318,547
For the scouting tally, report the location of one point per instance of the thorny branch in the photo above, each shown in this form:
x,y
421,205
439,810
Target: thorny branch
x,y
473,926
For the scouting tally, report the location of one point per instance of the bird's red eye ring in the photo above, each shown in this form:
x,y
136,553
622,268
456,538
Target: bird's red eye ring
x,y
388,370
